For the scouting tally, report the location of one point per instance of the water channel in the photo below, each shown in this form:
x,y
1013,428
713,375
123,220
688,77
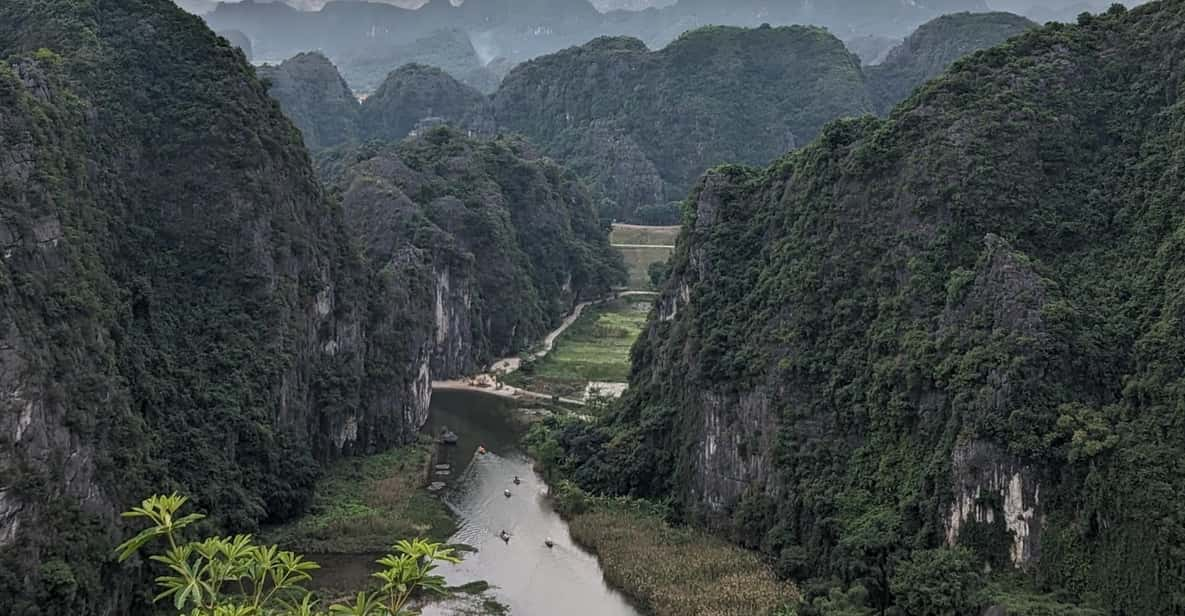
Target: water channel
x,y
525,575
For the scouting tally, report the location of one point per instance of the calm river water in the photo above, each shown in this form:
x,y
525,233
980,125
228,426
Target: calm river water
x,y
525,574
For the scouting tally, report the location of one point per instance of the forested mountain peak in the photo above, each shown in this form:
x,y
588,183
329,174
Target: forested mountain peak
x,y
415,95
643,124
960,325
933,47
315,97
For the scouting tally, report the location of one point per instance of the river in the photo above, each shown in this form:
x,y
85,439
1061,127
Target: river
x,y
525,575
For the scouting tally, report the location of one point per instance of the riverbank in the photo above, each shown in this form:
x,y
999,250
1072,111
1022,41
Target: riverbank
x,y
494,380
363,505
666,570
677,571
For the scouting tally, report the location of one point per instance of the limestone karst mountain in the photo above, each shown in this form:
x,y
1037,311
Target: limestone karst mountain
x,y
961,324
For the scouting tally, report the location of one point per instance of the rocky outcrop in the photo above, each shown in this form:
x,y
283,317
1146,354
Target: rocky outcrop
x,y
609,157
412,99
989,486
369,38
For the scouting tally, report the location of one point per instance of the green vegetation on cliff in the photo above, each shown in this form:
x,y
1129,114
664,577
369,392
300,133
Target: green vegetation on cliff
x,y
963,323
414,94
180,304
933,47
412,98
668,570
514,239
642,125
315,97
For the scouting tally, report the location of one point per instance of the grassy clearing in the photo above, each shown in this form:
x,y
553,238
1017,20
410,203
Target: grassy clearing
x,y
630,234
595,348
678,571
638,258
364,505
637,263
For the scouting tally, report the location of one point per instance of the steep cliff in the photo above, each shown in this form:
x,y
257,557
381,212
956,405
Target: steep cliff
x,y
508,241
935,46
716,94
180,305
962,324
315,97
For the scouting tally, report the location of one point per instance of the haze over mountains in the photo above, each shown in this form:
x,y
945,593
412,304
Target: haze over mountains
x,y
356,33
640,126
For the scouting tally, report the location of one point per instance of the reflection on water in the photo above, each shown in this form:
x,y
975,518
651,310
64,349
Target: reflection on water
x,y
529,577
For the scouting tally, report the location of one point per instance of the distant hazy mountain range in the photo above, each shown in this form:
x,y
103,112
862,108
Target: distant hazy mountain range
x,y
639,125
353,34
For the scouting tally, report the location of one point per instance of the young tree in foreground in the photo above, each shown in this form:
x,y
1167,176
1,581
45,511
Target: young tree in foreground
x,y
233,576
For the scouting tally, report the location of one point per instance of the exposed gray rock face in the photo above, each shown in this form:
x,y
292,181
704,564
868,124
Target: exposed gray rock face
x,y
991,486
380,213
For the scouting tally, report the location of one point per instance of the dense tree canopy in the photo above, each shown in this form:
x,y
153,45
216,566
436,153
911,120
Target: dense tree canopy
x,y
963,321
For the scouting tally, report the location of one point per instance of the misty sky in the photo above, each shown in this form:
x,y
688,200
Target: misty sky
x,y
1016,6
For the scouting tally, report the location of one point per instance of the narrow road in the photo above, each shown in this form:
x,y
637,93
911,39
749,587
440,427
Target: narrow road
x,y
487,383
667,246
